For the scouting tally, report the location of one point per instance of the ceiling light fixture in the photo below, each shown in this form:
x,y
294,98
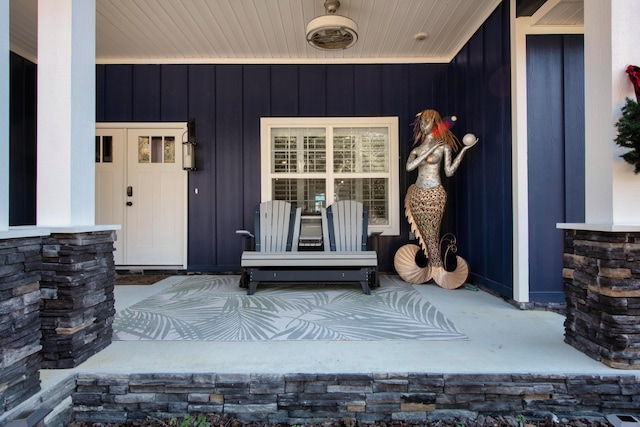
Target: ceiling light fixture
x,y
331,31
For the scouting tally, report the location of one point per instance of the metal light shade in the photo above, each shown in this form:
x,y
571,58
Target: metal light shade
x,y
189,156
332,32
189,147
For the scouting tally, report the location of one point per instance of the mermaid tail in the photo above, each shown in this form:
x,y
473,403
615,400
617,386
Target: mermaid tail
x,y
424,208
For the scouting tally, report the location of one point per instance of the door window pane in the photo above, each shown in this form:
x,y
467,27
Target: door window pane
x,y
144,153
107,149
169,149
156,149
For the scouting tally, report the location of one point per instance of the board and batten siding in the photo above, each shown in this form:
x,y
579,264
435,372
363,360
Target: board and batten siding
x,y
556,150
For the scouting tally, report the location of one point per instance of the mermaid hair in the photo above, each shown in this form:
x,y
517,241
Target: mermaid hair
x,y
442,133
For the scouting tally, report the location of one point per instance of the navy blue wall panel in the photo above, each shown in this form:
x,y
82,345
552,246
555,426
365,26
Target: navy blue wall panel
x,y
256,100
428,88
340,90
202,206
555,111
469,197
394,93
545,162
482,192
146,93
495,122
313,90
22,141
174,92
573,49
118,93
100,88
367,86
284,90
229,166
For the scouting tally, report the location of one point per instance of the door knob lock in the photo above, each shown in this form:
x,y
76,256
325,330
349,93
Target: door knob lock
x,y
129,203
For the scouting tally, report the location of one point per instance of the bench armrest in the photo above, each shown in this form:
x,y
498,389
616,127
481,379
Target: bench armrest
x,y
249,239
373,241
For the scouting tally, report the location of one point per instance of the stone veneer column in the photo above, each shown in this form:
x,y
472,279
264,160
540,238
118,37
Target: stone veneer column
x,y
602,287
19,320
78,277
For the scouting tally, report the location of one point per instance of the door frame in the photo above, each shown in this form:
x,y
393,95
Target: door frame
x,y
126,126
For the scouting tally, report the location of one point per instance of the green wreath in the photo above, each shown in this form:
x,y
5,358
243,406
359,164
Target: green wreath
x,y
629,133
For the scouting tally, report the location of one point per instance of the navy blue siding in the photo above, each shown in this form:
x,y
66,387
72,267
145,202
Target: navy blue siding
x,y
367,91
284,90
483,200
22,142
340,90
256,100
174,93
146,93
573,65
555,86
229,166
116,94
312,85
202,207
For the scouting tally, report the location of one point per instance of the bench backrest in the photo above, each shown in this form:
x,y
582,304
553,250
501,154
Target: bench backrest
x,y
344,226
277,226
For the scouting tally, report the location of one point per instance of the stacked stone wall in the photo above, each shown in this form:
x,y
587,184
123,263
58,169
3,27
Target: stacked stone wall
x,y
19,320
308,398
602,288
78,277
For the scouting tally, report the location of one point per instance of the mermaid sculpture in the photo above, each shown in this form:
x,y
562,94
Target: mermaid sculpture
x,y
426,199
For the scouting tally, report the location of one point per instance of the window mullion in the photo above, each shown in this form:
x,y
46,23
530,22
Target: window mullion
x,y
330,180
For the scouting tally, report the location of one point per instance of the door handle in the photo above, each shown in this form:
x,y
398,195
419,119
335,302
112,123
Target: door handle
x,y
129,203
129,191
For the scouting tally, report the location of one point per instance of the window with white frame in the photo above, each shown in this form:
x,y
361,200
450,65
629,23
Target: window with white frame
x,y
312,162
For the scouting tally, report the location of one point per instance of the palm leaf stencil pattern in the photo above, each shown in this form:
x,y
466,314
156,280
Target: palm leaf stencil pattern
x,y
214,308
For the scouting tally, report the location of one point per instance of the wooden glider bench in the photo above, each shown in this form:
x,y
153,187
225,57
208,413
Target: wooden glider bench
x,y
345,257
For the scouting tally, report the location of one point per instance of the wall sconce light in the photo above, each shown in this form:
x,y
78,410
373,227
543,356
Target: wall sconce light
x,y
189,148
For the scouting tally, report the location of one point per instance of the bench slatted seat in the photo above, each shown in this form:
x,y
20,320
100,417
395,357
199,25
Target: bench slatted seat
x,y
276,225
345,227
345,258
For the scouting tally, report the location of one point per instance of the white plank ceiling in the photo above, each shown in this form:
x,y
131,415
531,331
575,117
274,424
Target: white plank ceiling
x,y
273,31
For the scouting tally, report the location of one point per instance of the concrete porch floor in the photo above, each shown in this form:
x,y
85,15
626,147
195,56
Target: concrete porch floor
x,y
503,339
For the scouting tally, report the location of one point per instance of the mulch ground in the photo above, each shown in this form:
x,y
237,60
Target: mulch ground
x,y
214,420
139,279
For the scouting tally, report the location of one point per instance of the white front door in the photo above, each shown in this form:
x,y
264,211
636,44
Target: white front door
x,y
153,198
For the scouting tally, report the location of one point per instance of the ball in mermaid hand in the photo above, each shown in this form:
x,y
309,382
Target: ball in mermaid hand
x,y
469,139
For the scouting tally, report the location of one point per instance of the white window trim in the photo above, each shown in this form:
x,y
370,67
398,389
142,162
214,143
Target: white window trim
x,y
266,123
